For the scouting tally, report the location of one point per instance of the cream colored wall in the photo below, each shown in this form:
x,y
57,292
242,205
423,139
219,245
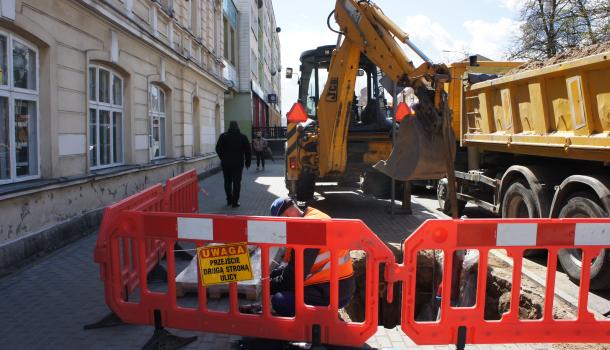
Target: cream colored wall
x,y
43,208
78,38
71,35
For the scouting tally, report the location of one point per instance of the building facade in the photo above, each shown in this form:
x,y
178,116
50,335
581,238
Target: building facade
x,y
99,99
252,64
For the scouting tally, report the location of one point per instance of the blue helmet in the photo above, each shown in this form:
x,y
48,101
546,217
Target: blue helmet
x,y
279,205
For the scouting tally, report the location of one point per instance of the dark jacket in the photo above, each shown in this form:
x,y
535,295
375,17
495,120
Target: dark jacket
x,y
233,149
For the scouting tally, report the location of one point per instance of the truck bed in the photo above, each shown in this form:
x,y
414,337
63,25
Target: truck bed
x,y
562,110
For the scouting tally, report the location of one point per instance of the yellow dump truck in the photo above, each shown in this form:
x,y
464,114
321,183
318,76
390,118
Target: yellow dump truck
x,y
536,144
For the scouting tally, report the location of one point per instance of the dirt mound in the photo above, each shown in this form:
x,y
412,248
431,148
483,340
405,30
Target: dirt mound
x,y
429,274
568,55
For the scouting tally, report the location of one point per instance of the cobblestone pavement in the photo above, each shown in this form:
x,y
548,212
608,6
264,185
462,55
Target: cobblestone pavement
x,y
46,304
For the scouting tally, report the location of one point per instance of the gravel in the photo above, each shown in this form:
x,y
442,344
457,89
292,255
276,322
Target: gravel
x,y
568,55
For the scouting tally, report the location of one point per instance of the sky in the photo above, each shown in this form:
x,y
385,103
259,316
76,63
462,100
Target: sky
x,y
485,27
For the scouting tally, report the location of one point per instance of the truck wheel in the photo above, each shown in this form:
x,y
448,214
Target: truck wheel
x,y
582,205
305,187
442,191
377,184
519,202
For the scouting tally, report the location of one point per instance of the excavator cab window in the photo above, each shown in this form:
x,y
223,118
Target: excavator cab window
x,y
314,71
369,105
314,90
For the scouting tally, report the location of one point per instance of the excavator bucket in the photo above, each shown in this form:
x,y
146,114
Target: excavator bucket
x,y
419,153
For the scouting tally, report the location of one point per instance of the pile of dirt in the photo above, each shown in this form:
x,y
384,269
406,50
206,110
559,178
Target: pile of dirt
x,y
429,272
568,55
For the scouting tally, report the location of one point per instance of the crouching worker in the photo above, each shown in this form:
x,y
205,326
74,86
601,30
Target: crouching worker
x,y
316,267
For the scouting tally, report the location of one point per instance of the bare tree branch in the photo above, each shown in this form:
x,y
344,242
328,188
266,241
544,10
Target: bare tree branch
x,y
549,27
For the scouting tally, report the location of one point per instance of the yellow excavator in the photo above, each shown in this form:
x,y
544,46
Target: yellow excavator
x,y
338,141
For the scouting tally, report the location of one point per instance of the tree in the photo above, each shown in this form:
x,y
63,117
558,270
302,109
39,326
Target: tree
x,y
549,27
589,21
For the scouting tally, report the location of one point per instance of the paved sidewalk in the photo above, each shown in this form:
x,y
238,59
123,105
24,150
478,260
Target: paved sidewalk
x,y
45,305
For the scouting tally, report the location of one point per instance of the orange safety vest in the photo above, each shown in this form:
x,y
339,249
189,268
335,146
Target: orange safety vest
x,y
320,271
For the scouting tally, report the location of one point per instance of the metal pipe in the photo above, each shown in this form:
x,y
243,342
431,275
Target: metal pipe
x,y
417,50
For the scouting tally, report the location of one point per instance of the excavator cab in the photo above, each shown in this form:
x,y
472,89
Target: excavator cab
x,y
369,107
368,121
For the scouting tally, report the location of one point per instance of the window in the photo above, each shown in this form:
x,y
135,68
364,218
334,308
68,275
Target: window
x,y
157,121
230,47
253,63
167,5
189,15
233,46
105,118
192,12
216,30
229,25
18,110
227,50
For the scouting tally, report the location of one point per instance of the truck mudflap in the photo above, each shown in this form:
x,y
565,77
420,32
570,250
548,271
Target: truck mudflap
x,y
418,154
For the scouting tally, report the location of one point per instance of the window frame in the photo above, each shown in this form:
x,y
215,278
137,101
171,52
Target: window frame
x,y
11,93
229,41
162,116
225,37
234,45
111,108
189,15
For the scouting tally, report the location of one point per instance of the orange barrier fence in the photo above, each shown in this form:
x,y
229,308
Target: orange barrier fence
x,y
150,199
137,232
309,323
180,195
468,324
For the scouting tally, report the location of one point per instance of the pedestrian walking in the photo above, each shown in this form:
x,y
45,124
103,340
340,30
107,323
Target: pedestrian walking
x,y
260,146
233,149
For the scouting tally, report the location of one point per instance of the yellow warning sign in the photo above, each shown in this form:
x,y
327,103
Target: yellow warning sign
x,y
224,263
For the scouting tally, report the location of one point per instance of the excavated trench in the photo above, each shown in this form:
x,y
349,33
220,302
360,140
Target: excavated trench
x,y
429,274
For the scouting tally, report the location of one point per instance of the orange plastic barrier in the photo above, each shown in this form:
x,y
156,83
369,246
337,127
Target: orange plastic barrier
x,y
309,323
181,193
459,325
138,231
150,199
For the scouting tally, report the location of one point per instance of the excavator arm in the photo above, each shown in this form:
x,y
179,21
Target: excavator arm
x,y
366,30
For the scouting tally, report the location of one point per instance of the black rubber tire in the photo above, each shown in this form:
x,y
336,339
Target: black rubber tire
x,y
306,185
584,205
444,204
519,202
377,184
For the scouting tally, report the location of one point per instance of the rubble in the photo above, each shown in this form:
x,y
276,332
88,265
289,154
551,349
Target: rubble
x,y
568,55
429,272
